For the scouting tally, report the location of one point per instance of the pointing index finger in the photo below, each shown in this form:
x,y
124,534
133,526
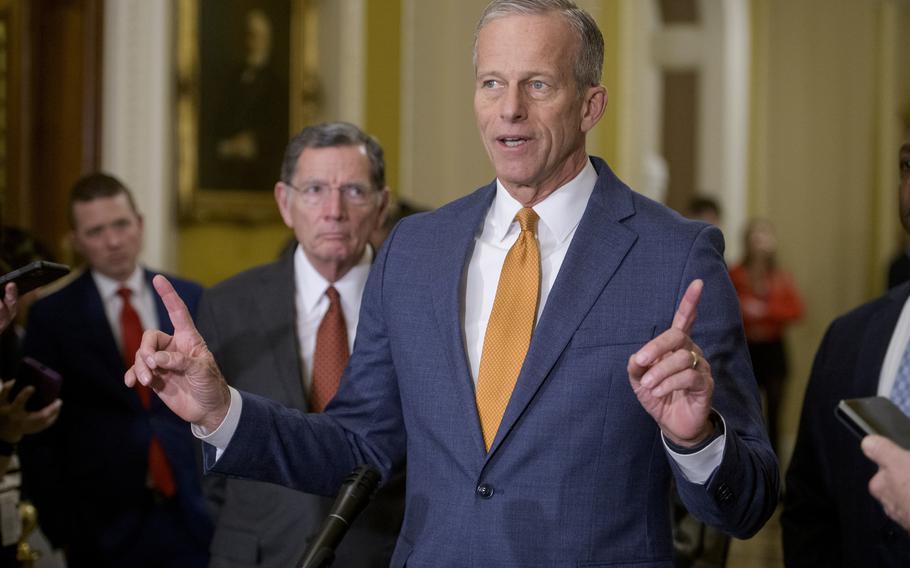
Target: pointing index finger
x,y
688,307
176,309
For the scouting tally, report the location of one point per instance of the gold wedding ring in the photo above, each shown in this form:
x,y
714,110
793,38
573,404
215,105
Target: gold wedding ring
x,y
694,358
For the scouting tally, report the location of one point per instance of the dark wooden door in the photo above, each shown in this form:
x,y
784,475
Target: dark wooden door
x,y
50,120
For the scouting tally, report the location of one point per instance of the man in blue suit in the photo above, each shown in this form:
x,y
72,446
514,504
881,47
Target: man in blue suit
x,y
561,453
829,518
116,481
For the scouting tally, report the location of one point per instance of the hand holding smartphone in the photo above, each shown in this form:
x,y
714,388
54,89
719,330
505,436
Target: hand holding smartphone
x,y
34,275
46,381
875,415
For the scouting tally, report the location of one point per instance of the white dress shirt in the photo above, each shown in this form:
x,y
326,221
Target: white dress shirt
x,y
560,213
899,338
141,298
312,303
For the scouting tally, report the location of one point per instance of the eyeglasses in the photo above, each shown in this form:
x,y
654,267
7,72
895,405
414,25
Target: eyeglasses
x,y
315,194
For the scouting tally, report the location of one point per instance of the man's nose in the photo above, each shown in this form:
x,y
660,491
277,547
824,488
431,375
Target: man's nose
x,y
333,206
513,105
112,238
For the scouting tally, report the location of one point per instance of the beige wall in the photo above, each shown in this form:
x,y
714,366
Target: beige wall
x,y
824,81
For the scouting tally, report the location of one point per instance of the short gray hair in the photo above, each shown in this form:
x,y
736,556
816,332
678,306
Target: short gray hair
x,y
590,60
331,135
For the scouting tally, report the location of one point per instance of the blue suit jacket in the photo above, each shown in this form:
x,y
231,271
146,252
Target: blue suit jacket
x,y
829,517
87,473
578,474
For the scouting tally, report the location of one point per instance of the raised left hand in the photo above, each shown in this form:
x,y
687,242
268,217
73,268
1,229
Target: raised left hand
x,y
672,379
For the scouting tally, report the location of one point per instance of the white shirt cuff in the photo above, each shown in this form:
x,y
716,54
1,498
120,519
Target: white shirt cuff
x,y
221,436
699,466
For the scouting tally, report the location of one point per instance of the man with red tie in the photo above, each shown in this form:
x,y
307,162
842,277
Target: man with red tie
x,y
285,330
116,481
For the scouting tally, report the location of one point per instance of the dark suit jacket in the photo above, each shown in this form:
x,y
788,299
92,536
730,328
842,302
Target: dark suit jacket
x,y
87,474
578,474
249,323
829,518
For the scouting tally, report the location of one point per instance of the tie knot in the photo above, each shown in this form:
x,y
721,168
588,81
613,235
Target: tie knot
x,y
332,293
527,219
124,293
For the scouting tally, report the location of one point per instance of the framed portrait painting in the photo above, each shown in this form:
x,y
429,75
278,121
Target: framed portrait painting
x,y
247,80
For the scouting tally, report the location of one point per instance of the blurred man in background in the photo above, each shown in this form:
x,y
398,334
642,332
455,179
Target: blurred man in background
x,y
116,481
829,517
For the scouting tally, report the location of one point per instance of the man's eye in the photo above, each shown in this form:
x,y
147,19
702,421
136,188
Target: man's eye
x,y
354,191
489,83
537,85
905,165
313,190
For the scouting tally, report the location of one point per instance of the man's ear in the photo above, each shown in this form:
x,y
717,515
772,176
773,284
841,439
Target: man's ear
x,y
385,196
593,106
281,198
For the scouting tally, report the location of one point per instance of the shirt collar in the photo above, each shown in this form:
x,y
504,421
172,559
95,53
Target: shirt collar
x,y
560,212
312,286
108,286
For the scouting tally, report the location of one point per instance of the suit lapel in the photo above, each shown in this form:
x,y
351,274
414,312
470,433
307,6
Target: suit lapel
x,y
276,309
875,342
597,249
449,294
101,337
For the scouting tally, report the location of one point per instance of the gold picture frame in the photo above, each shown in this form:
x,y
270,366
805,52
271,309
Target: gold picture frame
x,y
247,80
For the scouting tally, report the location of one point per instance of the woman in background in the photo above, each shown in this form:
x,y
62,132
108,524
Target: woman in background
x,y
769,301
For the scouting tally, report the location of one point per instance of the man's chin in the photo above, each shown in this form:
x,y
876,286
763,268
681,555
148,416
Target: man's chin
x,y
119,272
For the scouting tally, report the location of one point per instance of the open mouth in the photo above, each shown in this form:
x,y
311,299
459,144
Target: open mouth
x,y
512,141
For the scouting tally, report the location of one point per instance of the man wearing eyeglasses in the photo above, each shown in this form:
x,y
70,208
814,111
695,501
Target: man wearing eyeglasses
x,y
284,331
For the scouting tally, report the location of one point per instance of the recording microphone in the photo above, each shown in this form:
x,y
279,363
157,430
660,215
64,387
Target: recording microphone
x,y
355,493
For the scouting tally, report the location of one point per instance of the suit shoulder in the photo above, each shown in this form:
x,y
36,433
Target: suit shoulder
x,y
856,318
182,285
430,220
242,283
653,213
64,296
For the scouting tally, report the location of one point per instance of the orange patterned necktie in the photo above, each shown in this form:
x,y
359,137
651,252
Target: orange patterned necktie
x,y
331,354
511,324
161,476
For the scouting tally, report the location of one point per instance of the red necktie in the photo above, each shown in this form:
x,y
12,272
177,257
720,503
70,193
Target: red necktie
x,y
331,354
160,474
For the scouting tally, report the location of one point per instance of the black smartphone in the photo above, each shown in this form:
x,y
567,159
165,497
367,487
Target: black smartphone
x,y
875,415
33,275
47,383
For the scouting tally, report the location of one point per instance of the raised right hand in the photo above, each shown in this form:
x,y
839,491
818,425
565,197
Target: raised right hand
x,y
180,368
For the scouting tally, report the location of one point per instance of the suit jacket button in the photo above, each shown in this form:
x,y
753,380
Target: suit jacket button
x,y
485,490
